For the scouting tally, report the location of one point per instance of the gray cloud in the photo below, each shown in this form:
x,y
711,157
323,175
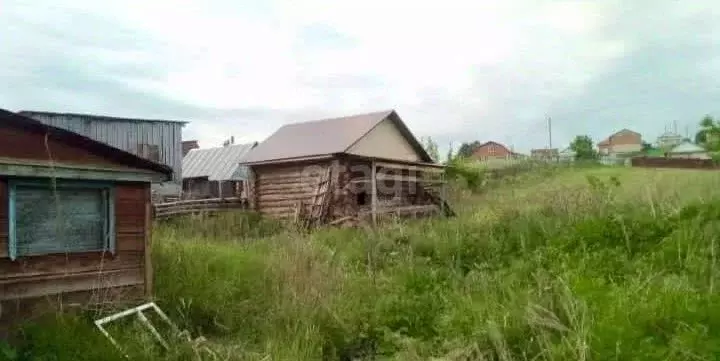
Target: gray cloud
x,y
84,62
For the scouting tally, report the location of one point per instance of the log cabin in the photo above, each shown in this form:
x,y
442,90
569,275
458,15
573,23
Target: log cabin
x,y
361,166
75,218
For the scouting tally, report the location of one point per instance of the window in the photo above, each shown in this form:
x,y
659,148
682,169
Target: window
x,y
361,198
65,217
149,151
493,150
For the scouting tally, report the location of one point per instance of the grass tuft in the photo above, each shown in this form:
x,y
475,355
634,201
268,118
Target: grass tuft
x,y
589,264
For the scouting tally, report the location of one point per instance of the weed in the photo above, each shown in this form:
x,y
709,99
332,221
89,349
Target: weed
x,y
597,263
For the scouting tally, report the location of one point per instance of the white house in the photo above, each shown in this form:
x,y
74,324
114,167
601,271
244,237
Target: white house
x,y
688,150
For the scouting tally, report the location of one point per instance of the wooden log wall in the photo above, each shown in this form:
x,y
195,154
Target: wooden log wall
x,y
93,273
277,189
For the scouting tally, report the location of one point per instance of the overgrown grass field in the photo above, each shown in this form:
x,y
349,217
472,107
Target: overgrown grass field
x,y
590,264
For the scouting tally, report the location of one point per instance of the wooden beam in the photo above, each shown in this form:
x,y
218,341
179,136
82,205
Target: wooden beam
x,y
399,178
435,168
374,200
148,246
77,172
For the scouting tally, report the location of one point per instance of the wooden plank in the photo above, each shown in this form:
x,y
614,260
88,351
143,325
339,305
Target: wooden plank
x,y
70,172
227,200
418,167
398,178
65,264
3,220
73,282
374,199
148,247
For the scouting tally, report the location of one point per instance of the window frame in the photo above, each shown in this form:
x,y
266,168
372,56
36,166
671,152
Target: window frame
x,y
42,183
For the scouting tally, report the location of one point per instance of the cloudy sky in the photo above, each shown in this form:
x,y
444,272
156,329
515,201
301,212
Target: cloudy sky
x,y
455,70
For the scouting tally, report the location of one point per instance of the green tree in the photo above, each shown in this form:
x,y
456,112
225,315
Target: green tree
x,y
584,148
709,134
466,149
430,147
646,146
450,155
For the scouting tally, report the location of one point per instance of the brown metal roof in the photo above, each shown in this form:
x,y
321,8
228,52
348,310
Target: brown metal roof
x,y
95,147
326,137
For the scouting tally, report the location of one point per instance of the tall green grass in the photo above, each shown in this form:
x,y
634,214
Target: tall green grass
x,y
598,264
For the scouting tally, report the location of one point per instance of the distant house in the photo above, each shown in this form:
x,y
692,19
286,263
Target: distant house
x,y
215,172
544,154
493,150
357,166
688,150
156,140
669,140
623,142
567,155
75,218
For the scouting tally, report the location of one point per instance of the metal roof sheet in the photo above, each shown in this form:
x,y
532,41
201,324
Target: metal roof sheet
x,y
687,147
326,137
96,147
34,113
217,164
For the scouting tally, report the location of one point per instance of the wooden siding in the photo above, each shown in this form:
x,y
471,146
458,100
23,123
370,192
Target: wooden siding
x,y
385,141
201,188
19,145
277,189
37,276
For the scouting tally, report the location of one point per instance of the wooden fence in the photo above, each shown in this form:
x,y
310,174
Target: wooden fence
x,y
197,206
658,162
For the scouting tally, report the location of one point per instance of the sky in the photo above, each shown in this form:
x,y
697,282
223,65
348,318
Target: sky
x,y
454,70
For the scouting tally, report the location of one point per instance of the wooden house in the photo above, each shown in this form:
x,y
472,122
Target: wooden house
x,y
359,166
75,217
215,172
158,140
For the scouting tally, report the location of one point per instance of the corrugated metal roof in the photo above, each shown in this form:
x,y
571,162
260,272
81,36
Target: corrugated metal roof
x,y
670,135
218,164
326,137
32,113
688,147
96,147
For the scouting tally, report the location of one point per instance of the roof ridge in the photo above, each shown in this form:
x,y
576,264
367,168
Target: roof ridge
x,y
96,116
386,112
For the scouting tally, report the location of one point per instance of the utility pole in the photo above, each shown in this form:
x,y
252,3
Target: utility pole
x,y
549,122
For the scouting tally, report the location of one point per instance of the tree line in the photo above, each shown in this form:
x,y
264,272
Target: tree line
x,y
708,137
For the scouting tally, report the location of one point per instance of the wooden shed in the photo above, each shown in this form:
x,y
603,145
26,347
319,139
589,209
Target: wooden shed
x,y
215,172
75,218
360,166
